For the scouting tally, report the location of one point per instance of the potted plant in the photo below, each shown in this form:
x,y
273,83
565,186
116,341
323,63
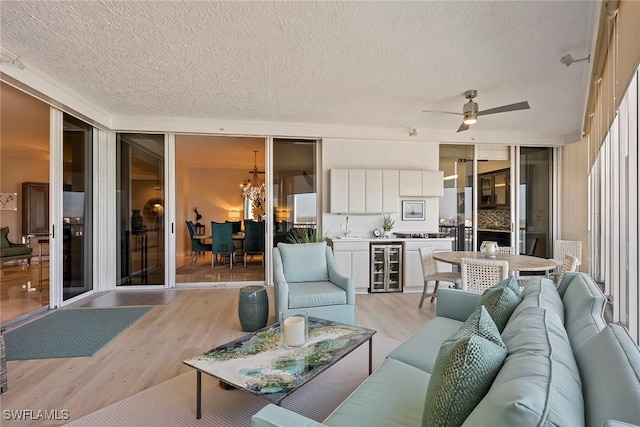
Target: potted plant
x,y
387,225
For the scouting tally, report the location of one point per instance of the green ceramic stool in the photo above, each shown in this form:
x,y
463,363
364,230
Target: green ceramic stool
x,y
253,308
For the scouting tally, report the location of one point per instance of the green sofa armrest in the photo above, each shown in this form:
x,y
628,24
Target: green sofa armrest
x,y
456,304
276,416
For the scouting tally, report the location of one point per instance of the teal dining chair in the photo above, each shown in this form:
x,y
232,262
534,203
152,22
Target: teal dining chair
x,y
222,234
253,240
197,245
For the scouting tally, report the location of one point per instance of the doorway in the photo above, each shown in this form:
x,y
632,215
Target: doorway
x,y
214,178
24,160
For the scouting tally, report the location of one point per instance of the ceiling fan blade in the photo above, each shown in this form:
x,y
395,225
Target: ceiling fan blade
x,y
443,112
524,105
462,127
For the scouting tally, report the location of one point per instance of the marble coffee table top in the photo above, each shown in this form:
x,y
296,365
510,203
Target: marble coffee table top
x,y
259,364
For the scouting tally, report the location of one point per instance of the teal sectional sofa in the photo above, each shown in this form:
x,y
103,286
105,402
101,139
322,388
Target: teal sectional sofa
x,y
564,366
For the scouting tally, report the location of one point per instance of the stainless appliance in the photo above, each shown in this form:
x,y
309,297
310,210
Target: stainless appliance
x,y
386,267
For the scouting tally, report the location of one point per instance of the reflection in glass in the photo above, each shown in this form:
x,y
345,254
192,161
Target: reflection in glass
x,y
77,196
456,209
535,193
140,207
295,189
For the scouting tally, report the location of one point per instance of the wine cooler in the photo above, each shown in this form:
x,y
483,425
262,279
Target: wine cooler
x,y
386,268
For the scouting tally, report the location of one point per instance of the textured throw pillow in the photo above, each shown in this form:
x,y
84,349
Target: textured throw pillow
x,y
500,303
510,283
466,365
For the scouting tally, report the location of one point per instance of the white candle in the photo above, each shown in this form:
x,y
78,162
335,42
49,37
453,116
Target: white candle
x,y
294,331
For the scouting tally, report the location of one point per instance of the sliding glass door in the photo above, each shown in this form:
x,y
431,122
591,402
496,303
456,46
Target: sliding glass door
x,y
77,207
140,207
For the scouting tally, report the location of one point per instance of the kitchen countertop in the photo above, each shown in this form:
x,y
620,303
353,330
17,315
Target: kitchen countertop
x,y
386,239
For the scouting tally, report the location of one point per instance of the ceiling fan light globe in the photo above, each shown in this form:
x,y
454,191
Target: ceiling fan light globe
x,y
470,119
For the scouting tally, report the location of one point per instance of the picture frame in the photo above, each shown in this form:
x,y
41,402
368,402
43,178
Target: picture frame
x,y
413,210
9,201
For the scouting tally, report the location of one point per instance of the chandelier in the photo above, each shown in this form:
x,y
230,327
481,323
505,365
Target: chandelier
x,y
254,190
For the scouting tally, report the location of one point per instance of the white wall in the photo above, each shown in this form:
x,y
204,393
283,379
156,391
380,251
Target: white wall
x,y
376,154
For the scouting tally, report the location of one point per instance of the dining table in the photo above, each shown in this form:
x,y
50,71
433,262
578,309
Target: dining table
x,y
516,262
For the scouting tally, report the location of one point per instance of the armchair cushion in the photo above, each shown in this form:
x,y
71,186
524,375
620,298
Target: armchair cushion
x,y
315,294
304,262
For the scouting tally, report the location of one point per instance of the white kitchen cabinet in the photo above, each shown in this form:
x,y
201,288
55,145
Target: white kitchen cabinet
x,y
373,191
390,191
363,191
338,196
410,183
417,183
432,184
353,261
356,191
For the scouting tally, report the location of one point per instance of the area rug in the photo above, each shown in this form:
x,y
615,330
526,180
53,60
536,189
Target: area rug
x,y
172,403
69,332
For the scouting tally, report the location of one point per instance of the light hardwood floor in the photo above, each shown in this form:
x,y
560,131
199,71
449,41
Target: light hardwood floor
x,y
152,350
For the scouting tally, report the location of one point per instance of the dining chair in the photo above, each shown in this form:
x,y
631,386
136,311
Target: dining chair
x,y
222,234
505,250
530,246
566,247
431,273
197,245
570,263
253,240
480,274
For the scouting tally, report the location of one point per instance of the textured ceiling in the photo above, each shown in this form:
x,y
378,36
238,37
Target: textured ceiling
x,y
373,64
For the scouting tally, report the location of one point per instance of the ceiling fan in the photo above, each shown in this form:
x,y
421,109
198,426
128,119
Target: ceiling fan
x,y
470,111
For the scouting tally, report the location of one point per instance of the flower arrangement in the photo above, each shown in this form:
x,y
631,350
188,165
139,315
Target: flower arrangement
x,y
387,222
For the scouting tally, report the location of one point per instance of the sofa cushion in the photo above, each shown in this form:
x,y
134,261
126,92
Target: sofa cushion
x,y
500,301
304,262
392,396
609,364
421,349
466,365
539,383
583,307
541,292
315,294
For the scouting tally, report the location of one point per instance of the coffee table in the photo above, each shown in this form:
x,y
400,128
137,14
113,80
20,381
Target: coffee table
x,y
259,364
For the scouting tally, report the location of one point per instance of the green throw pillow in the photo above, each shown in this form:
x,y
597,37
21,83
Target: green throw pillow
x,y
510,283
500,303
464,370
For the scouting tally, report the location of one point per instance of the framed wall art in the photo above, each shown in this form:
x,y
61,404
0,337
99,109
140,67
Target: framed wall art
x,y
9,201
413,210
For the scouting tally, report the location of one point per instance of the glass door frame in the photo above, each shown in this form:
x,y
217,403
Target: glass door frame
x,y
56,217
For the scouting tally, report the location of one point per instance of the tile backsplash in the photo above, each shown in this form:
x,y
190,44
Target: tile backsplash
x,y
495,219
